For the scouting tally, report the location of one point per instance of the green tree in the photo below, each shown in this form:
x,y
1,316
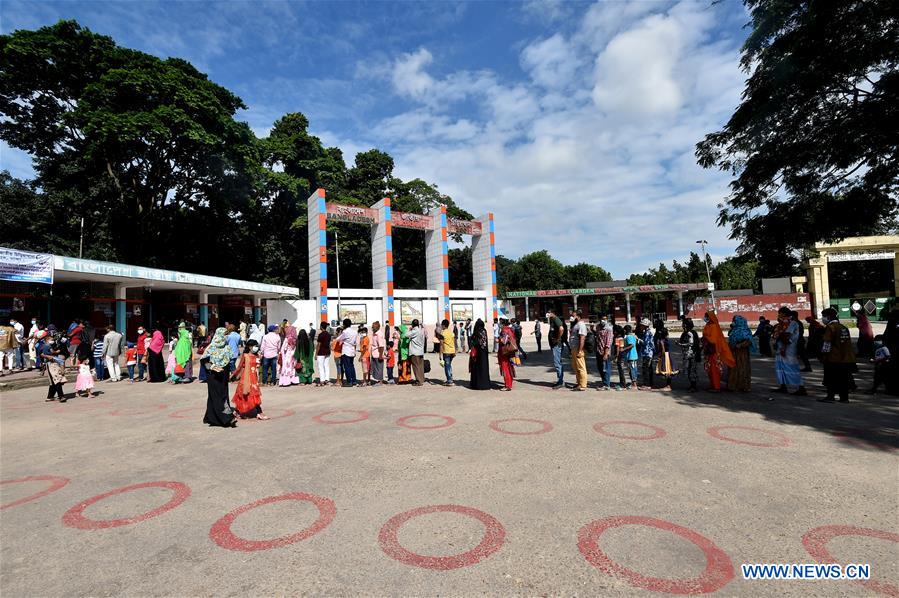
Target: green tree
x,y
812,146
461,275
737,272
579,275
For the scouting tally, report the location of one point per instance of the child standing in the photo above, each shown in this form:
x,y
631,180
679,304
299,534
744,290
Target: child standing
x,y
365,355
631,354
131,361
99,362
391,362
85,381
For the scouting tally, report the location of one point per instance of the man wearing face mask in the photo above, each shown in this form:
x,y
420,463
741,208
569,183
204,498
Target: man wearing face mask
x,y
32,343
20,340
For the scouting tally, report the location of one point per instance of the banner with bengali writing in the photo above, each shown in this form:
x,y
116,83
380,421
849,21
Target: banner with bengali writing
x,y
25,266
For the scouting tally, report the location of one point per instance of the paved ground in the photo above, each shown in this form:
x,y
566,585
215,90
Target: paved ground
x,y
523,503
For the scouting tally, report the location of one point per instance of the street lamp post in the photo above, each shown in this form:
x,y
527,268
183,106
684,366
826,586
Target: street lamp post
x,y
708,272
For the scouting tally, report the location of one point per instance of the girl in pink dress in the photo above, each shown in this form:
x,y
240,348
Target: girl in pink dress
x,y
85,380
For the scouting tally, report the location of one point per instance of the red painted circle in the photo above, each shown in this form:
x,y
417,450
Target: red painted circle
x,y
56,482
320,418
447,421
74,517
495,425
815,543
179,414
221,533
139,411
780,440
656,431
719,569
494,536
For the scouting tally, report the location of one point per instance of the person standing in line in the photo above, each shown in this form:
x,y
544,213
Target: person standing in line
x,y
417,341
497,331
865,334
456,334
463,336
232,337
97,354
763,333
323,355
508,349
365,355
184,352
243,332
54,353
269,349
257,332
515,324
303,358
664,366
604,341
447,351
74,334
632,356
691,348
576,342
20,343
739,337
113,348
141,352
311,332
538,335
377,348
155,363
130,360
217,362
478,361
802,346
647,354
32,343
716,350
881,363
786,360
618,354
390,362
837,356
349,339
247,397
8,345
287,373
555,346
337,353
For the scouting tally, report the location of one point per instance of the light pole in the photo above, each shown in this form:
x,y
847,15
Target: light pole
x,y
81,239
708,272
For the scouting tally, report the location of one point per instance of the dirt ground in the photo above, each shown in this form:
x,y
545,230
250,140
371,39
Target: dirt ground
x,y
533,492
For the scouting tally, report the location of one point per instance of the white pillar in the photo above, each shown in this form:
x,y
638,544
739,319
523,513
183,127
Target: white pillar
x,y
527,311
627,301
680,303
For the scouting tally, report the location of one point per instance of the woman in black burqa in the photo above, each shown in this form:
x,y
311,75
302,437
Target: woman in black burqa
x,y
478,362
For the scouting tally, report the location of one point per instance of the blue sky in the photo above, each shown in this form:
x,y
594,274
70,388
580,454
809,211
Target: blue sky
x,y
574,122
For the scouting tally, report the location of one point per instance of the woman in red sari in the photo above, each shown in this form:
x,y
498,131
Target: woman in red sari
x,y
247,397
508,349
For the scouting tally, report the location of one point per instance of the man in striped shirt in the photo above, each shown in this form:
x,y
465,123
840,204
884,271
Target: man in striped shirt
x,y
99,365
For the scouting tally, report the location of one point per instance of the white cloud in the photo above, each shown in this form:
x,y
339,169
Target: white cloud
x,y
602,171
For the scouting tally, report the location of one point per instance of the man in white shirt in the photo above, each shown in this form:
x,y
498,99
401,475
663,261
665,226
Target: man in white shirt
x,y
417,340
349,338
20,339
32,344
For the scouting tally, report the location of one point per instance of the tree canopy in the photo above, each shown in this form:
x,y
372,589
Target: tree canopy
x,y
813,145
149,152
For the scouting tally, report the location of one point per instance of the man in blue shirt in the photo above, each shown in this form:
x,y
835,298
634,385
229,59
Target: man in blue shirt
x,y
233,339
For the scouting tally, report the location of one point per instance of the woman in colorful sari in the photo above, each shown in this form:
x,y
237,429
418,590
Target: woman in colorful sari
x,y
664,367
184,354
155,364
216,359
508,349
288,374
247,397
304,358
404,372
716,350
786,359
740,340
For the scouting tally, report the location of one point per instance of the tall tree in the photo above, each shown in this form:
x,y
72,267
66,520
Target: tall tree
x,y
812,146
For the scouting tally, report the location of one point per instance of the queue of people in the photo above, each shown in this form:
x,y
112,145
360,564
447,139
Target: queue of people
x,y
644,357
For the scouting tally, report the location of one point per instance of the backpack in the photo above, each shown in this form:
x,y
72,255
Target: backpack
x,y
590,343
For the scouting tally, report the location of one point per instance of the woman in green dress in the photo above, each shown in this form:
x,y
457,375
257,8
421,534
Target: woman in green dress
x,y
184,353
305,358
